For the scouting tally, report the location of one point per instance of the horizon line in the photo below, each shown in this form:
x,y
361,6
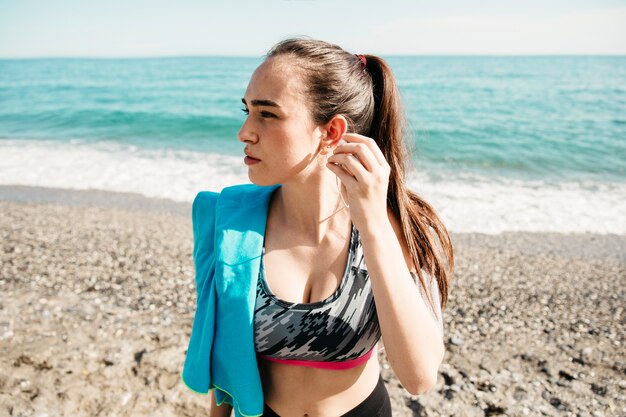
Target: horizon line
x,y
478,55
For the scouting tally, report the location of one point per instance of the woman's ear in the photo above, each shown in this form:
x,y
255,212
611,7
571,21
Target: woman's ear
x,y
335,129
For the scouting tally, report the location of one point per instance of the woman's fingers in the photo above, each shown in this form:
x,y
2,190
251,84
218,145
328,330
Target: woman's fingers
x,y
351,164
362,152
345,178
371,144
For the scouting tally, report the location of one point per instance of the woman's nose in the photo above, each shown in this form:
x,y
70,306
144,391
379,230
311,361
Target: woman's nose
x,y
246,133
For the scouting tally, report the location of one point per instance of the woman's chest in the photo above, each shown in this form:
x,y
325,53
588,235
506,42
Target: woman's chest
x,y
304,276
301,273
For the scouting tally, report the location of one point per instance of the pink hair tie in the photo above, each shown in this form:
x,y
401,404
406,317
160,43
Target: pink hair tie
x,y
363,60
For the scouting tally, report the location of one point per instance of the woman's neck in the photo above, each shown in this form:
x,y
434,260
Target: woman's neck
x,y
312,208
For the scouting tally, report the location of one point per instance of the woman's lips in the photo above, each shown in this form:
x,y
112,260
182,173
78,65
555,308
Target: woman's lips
x,y
248,160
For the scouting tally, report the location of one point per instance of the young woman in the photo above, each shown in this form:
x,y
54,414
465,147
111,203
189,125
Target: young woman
x,y
349,254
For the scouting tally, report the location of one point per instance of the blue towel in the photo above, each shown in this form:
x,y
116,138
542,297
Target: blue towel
x,y
228,231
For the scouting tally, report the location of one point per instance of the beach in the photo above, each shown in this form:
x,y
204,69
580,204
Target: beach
x,y
97,299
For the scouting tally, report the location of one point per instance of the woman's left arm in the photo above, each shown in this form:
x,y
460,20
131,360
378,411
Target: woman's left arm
x,y
413,342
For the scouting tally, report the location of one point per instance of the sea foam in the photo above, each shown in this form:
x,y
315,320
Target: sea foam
x,y
465,203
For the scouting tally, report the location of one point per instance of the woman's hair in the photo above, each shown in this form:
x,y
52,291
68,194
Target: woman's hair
x,y
337,83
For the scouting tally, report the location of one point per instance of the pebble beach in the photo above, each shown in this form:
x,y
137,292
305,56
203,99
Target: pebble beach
x,y
97,299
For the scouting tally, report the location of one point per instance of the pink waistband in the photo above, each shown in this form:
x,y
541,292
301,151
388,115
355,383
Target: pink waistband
x,y
325,365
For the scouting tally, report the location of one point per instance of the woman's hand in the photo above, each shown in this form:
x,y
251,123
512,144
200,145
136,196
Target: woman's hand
x,y
364,173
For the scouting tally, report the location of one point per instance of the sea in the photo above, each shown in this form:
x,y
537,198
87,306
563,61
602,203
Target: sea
x,y
498,143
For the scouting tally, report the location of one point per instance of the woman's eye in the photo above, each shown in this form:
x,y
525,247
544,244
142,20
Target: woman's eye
x,y
264,114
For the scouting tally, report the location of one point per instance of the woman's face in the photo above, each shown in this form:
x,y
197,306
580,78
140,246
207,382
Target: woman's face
x,y
278,130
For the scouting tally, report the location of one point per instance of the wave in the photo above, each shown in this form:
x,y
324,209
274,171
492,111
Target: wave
x,y
466,202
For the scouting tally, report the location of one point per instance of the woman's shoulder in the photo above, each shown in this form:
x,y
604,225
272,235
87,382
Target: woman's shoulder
x,y
236,191
239,192
203,201
237,203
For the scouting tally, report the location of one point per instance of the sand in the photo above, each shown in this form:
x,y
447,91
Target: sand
x,y
97,299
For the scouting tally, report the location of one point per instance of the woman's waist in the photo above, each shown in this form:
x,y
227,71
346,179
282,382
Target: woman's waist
x,y
300,390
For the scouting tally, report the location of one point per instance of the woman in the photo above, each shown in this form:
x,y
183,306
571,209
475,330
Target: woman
x,y
324,133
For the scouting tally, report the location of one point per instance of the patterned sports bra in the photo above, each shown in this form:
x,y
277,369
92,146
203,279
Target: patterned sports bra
x,y
339,332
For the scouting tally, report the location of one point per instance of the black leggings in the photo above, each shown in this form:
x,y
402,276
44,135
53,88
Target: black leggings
x,y
377,404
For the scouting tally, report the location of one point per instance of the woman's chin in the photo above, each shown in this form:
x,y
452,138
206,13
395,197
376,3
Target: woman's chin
x,y
262,182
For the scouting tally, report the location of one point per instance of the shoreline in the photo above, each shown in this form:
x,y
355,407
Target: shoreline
x,y
92,198
587,245
97,305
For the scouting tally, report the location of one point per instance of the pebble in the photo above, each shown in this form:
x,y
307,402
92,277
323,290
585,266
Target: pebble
x,y
585,354
125,397
456,340
25,384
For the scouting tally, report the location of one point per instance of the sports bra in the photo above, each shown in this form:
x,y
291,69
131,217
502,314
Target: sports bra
x,y
339,332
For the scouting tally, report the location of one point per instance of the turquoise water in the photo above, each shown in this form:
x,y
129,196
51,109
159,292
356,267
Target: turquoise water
x,y
522,117
499,143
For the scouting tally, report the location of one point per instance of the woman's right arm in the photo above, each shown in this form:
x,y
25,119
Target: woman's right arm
x,y
223,410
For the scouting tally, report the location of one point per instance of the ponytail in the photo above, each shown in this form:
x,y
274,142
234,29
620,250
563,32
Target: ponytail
x,y
427,238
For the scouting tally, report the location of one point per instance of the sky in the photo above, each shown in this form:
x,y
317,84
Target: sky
x,y
143,28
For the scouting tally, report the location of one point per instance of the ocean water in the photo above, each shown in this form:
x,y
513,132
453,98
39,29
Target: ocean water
x,y
499,143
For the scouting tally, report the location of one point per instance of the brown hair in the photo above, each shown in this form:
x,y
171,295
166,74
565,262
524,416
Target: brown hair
x,y
336,81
